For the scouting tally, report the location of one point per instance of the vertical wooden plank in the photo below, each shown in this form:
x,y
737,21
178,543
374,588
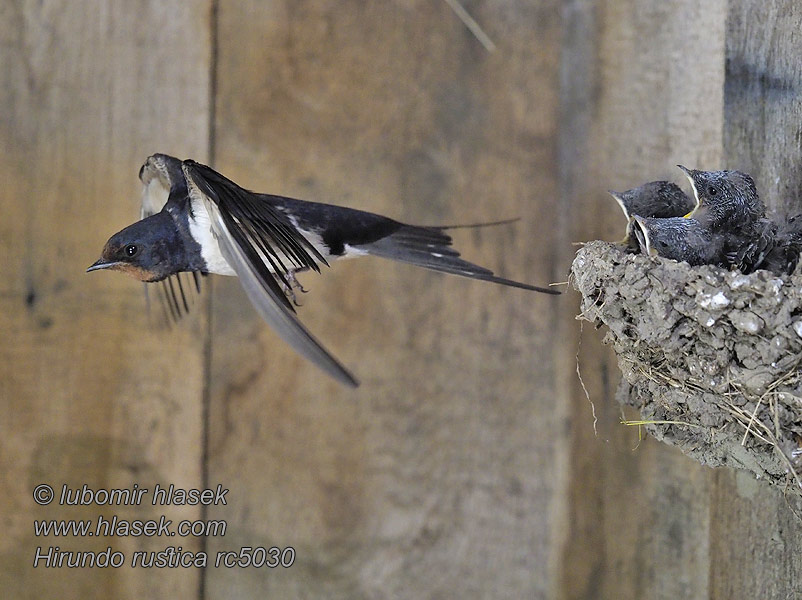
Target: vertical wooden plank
x,y
756,538
89,394
762,104
643,90
437,478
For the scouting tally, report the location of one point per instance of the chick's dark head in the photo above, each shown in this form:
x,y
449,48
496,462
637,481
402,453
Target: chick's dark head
x,y
725,198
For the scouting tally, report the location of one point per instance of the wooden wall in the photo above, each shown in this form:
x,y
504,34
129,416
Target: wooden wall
x,y
466,465
650,85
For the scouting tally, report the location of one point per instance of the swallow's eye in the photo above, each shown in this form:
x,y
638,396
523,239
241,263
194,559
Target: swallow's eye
x,y
712,191
131,250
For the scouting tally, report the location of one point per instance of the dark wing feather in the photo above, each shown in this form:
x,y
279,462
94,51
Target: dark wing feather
x,y
747,249
266,227
427,247
248,235
783,255
430,247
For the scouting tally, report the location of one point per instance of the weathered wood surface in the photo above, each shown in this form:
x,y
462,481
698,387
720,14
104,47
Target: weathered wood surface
x,y
762,133
88,392
647,89
639,519
466,465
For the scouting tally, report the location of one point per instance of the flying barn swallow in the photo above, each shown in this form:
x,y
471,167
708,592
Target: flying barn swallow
x,y
196,220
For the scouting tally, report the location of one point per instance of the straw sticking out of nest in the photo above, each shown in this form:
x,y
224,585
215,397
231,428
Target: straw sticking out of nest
x,y
712,355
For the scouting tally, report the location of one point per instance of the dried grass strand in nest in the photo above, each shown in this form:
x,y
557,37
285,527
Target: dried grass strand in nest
x,y
717,351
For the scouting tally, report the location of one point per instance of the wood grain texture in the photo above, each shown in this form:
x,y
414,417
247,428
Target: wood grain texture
x,y
643,86
437,477
754,527
88,392
655,524
466,465
762,104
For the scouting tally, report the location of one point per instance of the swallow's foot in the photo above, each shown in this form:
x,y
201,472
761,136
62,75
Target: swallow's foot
x,y
294,283
291,285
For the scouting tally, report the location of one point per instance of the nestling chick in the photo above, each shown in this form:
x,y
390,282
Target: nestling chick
x,y
725,198
679,238
654,199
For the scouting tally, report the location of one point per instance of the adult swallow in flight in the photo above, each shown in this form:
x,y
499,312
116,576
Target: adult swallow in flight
x,y
196,220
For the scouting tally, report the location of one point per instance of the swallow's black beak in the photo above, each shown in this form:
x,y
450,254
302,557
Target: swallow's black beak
x,y
102,263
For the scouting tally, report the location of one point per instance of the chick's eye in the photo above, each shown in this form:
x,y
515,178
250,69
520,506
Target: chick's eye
x,y
131,250
712,191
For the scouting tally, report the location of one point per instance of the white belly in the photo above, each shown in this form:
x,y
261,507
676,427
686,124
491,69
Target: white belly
x,y
201,229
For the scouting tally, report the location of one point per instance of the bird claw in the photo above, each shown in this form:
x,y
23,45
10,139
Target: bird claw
x,y
295,283
291,285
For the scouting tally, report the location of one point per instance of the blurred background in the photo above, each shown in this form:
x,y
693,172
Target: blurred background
x,y
470,463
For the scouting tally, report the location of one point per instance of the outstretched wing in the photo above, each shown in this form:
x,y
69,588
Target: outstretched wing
x,y
261,245
161,175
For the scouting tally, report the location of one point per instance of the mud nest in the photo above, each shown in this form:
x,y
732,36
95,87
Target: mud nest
x,y
710,358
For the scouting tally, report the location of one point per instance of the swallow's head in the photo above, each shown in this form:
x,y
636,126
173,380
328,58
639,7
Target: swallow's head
x,y
148,250
670,237
653,199
724,196
668,199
